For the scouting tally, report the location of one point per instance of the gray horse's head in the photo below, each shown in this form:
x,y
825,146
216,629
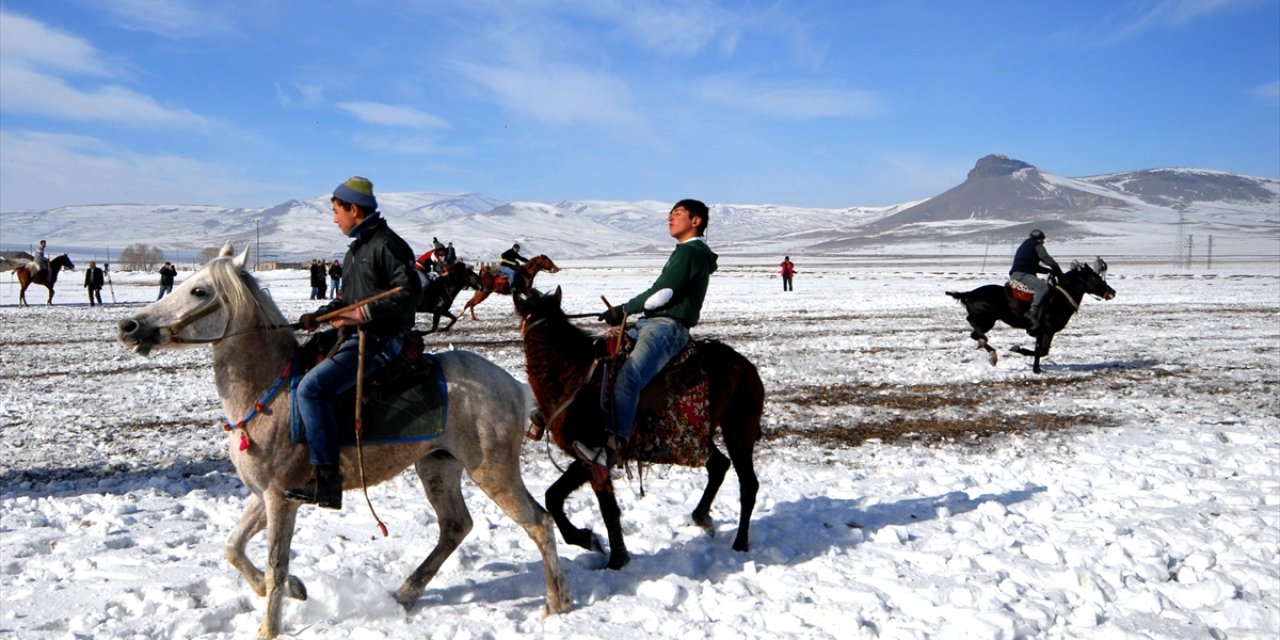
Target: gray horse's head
x,y
213,303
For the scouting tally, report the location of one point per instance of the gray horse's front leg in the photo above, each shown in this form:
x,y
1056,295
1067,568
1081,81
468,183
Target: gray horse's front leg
x,y
281,517
253,521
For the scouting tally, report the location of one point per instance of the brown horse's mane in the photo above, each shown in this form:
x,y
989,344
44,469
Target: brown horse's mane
x,y
559,343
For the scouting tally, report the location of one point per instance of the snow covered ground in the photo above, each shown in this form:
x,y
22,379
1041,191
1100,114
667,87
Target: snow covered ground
x,y
1130,491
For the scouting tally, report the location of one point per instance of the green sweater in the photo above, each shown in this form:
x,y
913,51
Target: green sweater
x,y
681,287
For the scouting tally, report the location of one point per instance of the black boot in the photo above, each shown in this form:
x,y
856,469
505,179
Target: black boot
x,y
1033,314
324,490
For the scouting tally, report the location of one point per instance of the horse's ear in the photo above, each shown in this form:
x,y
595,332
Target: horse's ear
x,y
556,295
241,259
226,250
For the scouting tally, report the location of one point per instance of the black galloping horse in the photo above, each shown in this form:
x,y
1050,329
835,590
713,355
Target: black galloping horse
x,y
439,294
987,304
560,360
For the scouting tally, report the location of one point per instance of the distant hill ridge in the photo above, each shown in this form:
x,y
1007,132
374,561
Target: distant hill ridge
x,y
1000,200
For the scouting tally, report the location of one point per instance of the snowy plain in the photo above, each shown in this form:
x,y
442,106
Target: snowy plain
x,y
1130,491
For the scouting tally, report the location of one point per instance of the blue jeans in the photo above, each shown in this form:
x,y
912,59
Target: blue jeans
x,y
333,288
1034,283
333,376
658,340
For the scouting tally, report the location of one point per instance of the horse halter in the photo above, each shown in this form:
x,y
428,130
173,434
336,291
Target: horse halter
x,y
214,305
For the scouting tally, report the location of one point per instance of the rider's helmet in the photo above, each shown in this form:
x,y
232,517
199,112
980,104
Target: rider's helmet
x,y
1037,234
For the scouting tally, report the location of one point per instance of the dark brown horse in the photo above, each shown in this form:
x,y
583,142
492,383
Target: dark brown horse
x,y
440,293
495,282
990,303
48,278
560,360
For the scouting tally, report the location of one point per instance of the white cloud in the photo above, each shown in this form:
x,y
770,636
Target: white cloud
x,y
42,71
1172,14
88,170
560,95
23,90
28,43
302,96
168,18
388,115
789,100
402,145
1268,93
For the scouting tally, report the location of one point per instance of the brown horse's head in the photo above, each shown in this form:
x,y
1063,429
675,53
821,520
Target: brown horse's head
x,y
540,263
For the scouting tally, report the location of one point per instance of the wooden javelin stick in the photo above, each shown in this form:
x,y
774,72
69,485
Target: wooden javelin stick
x,y
357,305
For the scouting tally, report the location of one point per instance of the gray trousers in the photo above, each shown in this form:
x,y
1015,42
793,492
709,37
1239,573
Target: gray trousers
x,y
1033,283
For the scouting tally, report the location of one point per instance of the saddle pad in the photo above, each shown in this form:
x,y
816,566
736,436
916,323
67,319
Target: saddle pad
x,y
677,428
408,413
1020,291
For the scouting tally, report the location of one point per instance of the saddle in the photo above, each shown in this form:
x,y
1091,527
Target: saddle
x,y
673,424
1019,291
404,401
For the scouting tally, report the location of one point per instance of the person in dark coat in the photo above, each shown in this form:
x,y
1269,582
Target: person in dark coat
x,y
1026,264
377,261
167,273
317,280
335,279
93,281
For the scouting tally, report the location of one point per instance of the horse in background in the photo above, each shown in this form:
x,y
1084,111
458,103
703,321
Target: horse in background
x,y
495,282
990,303
440,292
254,350
30,274
561,363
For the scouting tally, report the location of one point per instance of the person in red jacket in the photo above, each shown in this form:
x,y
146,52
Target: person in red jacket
x,y
788,270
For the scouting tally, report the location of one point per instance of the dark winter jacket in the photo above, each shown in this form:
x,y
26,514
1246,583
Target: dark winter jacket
x,y
1028,257
93,278
167,274
376,261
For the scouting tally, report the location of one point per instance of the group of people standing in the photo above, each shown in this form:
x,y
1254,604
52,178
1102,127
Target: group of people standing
x,y
319,271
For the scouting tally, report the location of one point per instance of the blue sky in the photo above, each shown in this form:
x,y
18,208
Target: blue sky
x,y
823,103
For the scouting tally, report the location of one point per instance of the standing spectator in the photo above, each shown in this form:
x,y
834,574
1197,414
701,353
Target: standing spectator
x,y
1100,266
788,270
335,279
167,274
93,281
450,255
317,279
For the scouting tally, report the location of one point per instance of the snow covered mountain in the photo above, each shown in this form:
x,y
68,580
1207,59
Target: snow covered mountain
x,y
1149,212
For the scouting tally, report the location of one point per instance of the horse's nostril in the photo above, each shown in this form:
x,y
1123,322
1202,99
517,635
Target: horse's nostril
x,y
127,326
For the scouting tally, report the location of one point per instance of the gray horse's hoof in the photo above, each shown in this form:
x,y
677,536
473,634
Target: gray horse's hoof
x,y
293,588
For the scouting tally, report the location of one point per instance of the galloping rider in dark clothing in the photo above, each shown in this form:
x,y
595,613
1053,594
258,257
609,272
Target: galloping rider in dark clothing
x,y
1026,264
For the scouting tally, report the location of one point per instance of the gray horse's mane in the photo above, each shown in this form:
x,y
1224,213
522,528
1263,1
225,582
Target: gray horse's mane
x,y
240,293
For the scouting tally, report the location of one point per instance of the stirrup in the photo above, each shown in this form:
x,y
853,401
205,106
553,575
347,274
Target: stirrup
x,y
601,456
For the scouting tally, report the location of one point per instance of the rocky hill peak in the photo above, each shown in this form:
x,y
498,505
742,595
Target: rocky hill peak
x,y
994,166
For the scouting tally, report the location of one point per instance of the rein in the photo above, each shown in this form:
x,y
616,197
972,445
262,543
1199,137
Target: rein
x,y
1073,301
241,425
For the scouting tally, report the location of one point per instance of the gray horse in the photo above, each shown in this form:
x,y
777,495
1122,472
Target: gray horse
x,y
222,305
